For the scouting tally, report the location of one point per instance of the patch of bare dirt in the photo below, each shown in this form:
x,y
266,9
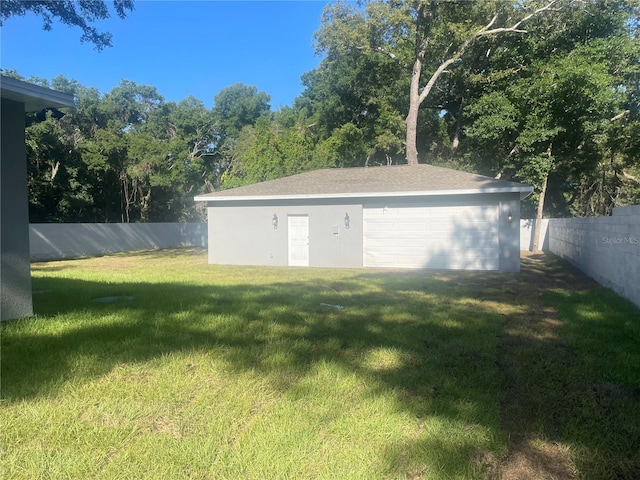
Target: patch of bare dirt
x,y
535,460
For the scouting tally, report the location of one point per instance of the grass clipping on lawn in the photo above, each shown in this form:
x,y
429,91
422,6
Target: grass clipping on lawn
x,y
200,371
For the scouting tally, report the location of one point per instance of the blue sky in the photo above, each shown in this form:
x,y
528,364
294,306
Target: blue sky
x,y
180,47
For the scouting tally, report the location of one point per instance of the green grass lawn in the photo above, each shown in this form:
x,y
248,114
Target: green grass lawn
x,y
200,371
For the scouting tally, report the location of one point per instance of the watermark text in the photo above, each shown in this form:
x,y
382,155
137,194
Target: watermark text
x,y
628,240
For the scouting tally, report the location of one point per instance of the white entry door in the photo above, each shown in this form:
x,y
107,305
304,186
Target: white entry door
x,y
298,240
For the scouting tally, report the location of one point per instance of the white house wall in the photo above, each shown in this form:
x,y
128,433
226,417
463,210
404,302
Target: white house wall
x,y
244,235
509,233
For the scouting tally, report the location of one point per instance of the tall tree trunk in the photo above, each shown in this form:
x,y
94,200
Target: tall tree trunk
x,y
416,97
145,200
412,117
603,191
538,225
128,198
124,197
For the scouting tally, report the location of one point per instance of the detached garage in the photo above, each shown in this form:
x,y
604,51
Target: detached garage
x,y
397,216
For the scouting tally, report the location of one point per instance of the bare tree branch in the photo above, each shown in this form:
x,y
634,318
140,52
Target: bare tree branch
x,y
630,177
393,57
490,24
515,27
54,171
486,30
389,54
620,115
441,69
416,97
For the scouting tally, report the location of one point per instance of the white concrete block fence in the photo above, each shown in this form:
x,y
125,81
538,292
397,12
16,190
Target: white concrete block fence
x,y
605,248
53,241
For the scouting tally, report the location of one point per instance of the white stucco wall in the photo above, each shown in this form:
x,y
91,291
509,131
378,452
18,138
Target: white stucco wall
x,y
50,241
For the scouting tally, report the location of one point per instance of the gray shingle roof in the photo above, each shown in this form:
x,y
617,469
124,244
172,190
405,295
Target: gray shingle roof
x,y
398,180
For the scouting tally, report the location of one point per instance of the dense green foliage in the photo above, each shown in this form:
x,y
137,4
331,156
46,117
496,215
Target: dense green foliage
x,y
549,106
119,157
554,103
537,91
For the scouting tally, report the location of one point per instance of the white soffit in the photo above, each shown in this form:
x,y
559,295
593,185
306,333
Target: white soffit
x,y
34,97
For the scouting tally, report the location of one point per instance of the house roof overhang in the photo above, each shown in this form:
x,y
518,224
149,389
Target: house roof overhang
x,y
328,196
369,182
34,97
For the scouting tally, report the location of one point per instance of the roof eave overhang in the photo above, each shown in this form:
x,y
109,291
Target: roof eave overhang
x,y
524,192
34,97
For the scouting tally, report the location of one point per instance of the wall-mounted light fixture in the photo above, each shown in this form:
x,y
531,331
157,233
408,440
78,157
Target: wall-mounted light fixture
x,y
274,221
347,220
509,217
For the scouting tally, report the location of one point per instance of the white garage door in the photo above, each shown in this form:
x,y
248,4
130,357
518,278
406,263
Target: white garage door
x,y
452,237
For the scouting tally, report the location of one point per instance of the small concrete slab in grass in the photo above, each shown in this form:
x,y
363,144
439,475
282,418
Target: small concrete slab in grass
x,y
329,305
114,298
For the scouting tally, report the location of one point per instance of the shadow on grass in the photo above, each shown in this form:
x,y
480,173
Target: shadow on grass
x,y
411,336
569,361
149,320
604,378
436,340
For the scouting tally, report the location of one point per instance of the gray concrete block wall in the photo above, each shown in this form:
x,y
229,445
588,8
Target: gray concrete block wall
x,y
605,248
52,241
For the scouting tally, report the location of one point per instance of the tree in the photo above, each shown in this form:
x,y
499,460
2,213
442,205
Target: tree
x,y
54,170
353,97
73,13
125,156
238,106
272,148
425,37
547,102
345,147
61,184
617,182
193,146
